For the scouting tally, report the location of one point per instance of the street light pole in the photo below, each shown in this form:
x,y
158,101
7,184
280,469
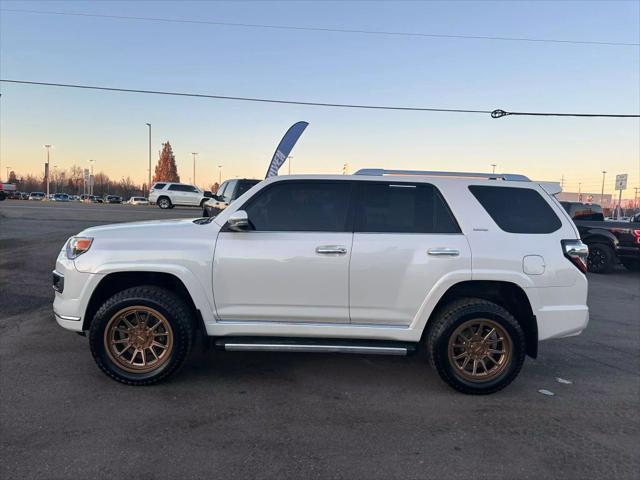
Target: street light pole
x,y
219,175
604,172
149,181
493,165
48,147
91,179
290,158
194,167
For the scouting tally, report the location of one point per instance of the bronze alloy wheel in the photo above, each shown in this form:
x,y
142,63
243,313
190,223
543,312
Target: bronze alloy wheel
x,y
480,350
138,339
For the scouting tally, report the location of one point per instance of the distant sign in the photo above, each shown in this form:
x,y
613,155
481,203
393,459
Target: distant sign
x,y
621,181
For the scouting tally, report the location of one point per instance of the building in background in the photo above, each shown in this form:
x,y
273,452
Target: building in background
x,y
586,197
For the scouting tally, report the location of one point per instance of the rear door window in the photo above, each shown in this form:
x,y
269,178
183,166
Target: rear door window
x,y
158,186
517,210
402,208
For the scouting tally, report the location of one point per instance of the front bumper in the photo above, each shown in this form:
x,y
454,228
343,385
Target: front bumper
x,y
72,293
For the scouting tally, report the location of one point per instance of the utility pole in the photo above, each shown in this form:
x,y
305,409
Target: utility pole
x,y
493,165
604,172
46,168
579,191
149,181
562,182
290,157
635,197
219,175
194,166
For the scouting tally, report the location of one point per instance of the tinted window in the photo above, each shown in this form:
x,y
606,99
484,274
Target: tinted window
x,y
581,211
301,207
517,210
181,188
221,189
159,186
402,208
245,185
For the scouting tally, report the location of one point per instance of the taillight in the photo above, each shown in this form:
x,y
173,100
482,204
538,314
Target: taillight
x,y
577,252
636,233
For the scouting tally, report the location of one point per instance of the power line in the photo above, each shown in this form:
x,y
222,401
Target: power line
x,y
494,113
323,29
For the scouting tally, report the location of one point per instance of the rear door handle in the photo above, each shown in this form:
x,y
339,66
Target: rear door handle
x,y
331,250
443,252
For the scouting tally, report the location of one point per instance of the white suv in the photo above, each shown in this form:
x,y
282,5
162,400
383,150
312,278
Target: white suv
x,y
169,194
476,269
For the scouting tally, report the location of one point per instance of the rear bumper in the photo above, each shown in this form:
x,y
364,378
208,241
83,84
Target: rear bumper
x,y
561,311
562,321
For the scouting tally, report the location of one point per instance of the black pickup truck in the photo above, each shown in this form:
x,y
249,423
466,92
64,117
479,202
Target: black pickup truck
x,y
607,241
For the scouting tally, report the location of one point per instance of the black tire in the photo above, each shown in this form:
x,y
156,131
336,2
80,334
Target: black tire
x,y
601,258
455,316
157,299
202,202
632,264
165,203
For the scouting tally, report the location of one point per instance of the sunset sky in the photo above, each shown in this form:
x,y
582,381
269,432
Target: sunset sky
x,y
324,67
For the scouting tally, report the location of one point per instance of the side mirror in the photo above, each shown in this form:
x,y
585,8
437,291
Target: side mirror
x,y
238,221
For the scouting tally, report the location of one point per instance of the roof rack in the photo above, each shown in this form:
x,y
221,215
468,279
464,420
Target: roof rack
x,y
379,172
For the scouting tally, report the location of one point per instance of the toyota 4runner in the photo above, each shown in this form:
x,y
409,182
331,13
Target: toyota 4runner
x,y
475,268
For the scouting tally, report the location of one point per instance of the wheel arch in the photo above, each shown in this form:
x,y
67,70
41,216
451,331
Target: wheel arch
x,y
116,282
508,295
598,235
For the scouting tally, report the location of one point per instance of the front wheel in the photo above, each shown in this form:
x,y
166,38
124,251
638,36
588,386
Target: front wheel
x,y
141,335
476,346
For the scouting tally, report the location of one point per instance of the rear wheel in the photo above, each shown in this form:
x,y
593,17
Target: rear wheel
x,y
476,346
164,203
632,264
141,335
601,258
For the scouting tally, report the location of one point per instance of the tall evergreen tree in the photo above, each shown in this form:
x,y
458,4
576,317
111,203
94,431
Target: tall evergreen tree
x,y
166,169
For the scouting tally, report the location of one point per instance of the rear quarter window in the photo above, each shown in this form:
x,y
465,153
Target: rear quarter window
x,y
517,210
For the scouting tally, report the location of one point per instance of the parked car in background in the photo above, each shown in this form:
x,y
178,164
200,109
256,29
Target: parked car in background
x,y
97,199
37,196
169,194
138,201
5,190
112,199
60,197
476,270
15,195
608,241
24,195
228,192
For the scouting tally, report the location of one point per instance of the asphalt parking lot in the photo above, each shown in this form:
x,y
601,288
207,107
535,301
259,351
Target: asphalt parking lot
x,y
279,415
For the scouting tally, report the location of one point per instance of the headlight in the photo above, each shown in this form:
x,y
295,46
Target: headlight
x,y
76,246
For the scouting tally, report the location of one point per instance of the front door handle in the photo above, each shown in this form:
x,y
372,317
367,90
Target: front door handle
x,y
443,252
331,250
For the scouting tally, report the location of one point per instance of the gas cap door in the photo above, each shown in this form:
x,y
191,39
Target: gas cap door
x,y
533,265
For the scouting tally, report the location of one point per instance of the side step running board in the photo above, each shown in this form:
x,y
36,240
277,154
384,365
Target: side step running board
x,y
273,344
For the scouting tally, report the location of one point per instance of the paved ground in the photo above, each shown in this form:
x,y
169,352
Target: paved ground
x,y
268,415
